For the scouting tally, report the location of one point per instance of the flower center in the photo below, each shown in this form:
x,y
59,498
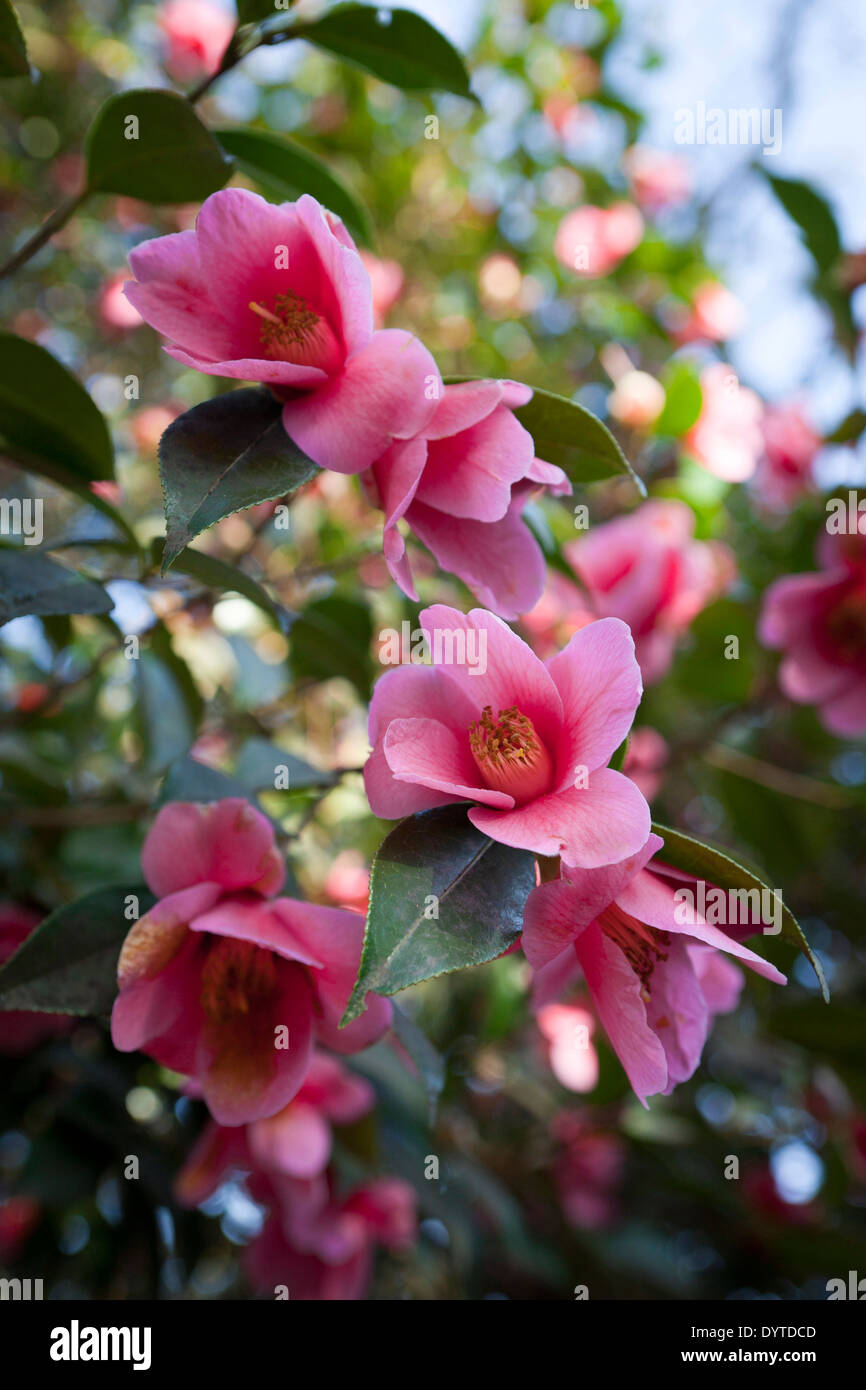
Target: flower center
x,y
509,754
237,976
293,332
847,626
642,946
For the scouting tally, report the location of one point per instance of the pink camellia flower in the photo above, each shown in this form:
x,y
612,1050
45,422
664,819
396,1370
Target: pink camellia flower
x,y
320,1247
648,569
197,35
294,1143
819,622
460,486
658,180
790,444
588,1171
715,315
20,1029
645,759
527,742
592,241
279,294
386,283
656,982
224,985
726,438
568,1029
348,880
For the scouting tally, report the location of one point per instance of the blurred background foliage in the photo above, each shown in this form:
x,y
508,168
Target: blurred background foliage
x,y
90,741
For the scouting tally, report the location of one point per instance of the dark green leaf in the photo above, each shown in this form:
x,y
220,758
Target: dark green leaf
x,y
45,410
848,429
813,216
714,866
31,583
619,756
169,703
151,145
224,455
13,52
286,168
394,45
189,780
68,965
254,11
431,1067
220,575
259,760
437,861
332,637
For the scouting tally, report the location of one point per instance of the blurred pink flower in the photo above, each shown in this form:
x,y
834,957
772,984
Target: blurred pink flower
x,y
461,486
645,759
19,1217
320,1247
655,983
279,294
648,569
568,1029
386,282
197,34
658,180
20,1029
637,400
785,470
348,880
527,742
715,315
561,611
214,974
293,1143
726,439
115,311
149,424
819,622
592,241
588,1171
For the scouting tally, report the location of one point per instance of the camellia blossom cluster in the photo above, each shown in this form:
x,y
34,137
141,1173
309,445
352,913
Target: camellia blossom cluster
x,y
280,295
646,568
818,622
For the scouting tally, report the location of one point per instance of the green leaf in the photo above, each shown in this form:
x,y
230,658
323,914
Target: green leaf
x,y
189,780
396,46
254,11
169,703
813,216
714,866
150,144
220,575
258,761
332,637
286,168
479,886
32,584
431,1067
848,429
68,965
45,410
224,455
619,756
570,436
683,400
13,52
